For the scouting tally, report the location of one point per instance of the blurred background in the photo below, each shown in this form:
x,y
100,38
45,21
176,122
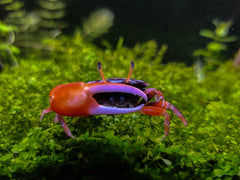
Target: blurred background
x,y
175,23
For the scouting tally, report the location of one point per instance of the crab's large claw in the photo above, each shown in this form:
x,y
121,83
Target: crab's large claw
x,y
76,99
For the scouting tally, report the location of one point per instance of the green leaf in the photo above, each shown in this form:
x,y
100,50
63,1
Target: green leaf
x,y
6,157
218,172
215,46
207,33
14,6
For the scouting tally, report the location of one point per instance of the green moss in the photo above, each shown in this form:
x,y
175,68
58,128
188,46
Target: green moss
x,y
122,146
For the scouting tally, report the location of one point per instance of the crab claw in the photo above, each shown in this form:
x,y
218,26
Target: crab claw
x,y
77,99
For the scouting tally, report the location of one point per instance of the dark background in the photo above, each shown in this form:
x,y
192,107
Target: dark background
x,y
174,22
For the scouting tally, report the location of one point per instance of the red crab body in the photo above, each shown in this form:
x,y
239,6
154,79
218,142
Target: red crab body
x,y
108,96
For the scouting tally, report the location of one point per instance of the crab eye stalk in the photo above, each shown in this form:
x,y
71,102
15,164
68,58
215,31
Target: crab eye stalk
x,y
132,64
99,66
130,72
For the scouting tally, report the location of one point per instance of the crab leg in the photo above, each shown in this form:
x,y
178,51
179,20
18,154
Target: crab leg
x,y
158,111
178,114
45,112
59,118
167,105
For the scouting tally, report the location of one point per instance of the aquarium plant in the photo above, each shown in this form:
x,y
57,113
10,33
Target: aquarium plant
x,y
119,146
31,27
8,51
211,57
51,14
15,14
97,24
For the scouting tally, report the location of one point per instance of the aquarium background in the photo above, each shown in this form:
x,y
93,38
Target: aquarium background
x,y
176,23
189,50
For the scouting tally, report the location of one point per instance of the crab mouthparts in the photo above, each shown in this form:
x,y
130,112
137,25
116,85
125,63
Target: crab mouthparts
x,y
117,98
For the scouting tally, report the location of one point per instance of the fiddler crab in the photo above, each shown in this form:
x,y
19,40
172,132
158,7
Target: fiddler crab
x,y
108,96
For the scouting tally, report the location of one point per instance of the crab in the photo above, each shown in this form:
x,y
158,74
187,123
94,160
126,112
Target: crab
x,y
110,97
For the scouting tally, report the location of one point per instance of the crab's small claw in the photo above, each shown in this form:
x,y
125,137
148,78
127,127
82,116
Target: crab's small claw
x,y
151,92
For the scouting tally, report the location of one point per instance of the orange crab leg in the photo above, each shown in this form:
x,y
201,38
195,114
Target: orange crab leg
x,y
167,105
159,109
179,114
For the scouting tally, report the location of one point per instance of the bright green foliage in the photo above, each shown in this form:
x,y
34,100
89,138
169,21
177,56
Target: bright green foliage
x,y
122,146
7,50
51,14
212,54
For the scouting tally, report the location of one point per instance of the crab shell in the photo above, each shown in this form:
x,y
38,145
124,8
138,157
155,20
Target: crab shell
x,y
76,99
